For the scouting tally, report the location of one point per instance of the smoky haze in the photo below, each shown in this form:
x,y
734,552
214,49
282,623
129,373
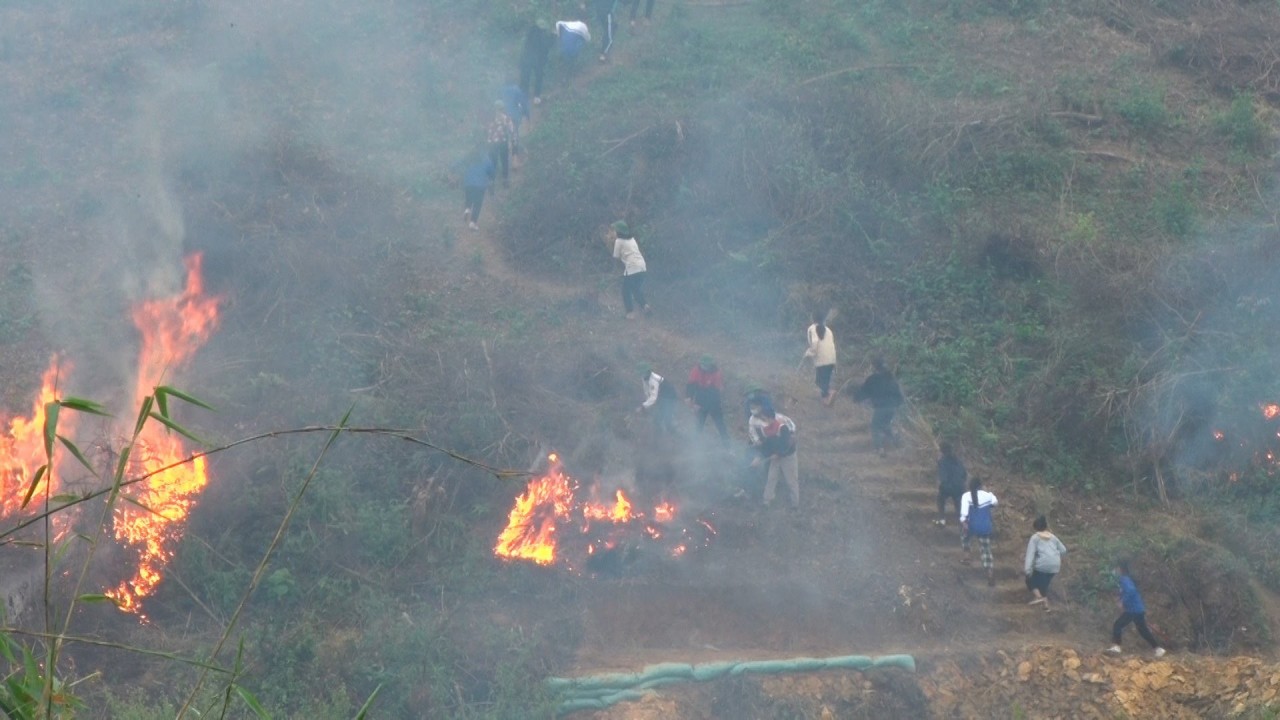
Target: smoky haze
x,y
127,125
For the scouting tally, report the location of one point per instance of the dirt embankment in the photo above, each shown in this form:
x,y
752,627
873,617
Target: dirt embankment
x,y
1040,682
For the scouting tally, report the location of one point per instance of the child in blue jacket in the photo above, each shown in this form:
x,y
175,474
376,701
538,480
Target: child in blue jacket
x,y
1134,611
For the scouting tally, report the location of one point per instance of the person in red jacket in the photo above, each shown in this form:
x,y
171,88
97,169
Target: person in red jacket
x,y
703,392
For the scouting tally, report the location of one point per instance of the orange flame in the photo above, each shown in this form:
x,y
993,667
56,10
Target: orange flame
x,y
1219,435
531,527
619,513
664,512
1270,411
172,329
22,447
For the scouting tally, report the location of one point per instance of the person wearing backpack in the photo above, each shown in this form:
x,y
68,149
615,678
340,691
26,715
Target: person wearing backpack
x,y
779,450
951,481
1043,561
976,522
660,397
1133,610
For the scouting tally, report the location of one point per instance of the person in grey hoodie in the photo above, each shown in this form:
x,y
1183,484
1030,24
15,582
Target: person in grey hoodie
x,y
1044,560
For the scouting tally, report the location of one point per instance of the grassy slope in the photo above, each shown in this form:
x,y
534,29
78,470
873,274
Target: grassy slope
x,y
951,187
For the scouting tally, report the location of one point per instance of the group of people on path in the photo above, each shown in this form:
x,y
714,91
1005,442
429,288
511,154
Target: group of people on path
x,y
1042,560
483,167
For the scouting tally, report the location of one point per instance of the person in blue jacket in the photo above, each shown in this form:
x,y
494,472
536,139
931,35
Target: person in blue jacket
x,y
477,175
1133,611
516,103
571,37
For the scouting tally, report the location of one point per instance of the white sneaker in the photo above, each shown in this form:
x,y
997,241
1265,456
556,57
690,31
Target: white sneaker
x,y
1114,650
537,101
1159,652
473,226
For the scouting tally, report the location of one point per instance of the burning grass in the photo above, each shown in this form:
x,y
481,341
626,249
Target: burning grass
x,y
542,523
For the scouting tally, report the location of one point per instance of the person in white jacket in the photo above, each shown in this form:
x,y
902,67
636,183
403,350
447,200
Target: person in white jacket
x,y
1043,561
659,398
976,522
822,348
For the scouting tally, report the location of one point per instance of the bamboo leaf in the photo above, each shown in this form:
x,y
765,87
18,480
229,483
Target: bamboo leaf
x,y
364,709
85,406
162,401
51,411
35,482
93,598
75,452
64,498
177,428
253,703
121,464
191,399
143,413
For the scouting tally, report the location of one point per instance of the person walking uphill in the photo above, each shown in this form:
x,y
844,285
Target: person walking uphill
x,y
604,11
704,391
779,450
882,391
627,250
660,398
952,478
1133,611
538,41
477,176
1043,561
976,522
502,133
822,348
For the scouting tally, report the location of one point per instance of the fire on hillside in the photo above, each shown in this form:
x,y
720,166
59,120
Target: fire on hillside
x,y
150,515
550,525
1254,444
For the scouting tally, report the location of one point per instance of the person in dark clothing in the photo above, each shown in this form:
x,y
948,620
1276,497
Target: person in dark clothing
x,y
952,478
477,175
1133,611
538,41
635,7
703,392
604,11
882,391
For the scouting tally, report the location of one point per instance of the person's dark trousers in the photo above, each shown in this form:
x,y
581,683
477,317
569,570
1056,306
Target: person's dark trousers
x,y
1039,581
822,376
475,198
606,33
716,413
954,497
532,71
882,427
664,416
648,8
501,154
1140,621
633,291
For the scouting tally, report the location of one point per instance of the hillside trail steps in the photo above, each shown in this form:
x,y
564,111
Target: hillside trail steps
x,y
838,463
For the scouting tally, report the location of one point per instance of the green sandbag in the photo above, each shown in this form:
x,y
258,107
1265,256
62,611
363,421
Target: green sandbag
x,y
572,706
763,667
659,682
849,662
906,662
608,680
667,670
806,664
712,670
620,696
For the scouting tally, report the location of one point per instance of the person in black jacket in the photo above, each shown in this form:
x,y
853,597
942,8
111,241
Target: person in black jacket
x,y
882,391
538,41
952,478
